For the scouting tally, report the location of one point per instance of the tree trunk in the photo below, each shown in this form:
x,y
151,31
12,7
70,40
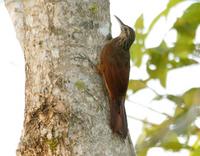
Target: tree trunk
x,y
66,110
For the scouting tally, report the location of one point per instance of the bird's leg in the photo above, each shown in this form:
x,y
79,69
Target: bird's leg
x,y
84,57
91,63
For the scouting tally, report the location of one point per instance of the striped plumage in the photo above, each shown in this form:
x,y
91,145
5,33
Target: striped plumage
x,y
115,67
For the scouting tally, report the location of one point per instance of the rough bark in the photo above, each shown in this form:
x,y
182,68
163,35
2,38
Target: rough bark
x,y
66,110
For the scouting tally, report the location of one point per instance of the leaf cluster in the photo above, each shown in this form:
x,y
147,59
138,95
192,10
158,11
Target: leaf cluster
x,y
161,60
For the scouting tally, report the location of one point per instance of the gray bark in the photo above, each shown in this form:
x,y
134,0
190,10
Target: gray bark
x,y
66,110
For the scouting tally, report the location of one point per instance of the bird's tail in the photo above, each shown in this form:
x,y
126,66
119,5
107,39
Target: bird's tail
x,y
118,117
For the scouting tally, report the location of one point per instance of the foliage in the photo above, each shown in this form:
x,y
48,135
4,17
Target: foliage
x,y
182,124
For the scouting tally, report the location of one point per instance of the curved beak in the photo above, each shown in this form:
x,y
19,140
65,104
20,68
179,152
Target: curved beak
x,y
120,22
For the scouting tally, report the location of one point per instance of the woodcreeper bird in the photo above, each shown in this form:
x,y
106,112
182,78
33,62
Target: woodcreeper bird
x,y
114,68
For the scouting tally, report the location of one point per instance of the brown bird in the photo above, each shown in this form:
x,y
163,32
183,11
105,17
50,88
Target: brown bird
x,y
114,68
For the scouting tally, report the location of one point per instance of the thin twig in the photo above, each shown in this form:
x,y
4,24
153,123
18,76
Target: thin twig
x,y
141,120
149,108
153,90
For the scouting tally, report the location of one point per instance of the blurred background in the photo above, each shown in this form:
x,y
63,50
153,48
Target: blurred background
x,y
163,100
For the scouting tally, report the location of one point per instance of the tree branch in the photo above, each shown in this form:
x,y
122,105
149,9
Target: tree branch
x,y
141,120
149,108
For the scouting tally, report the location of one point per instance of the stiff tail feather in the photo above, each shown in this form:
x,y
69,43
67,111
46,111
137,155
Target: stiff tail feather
x,y
118,117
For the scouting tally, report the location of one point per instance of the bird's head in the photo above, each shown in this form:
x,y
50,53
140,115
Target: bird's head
x,y
127,33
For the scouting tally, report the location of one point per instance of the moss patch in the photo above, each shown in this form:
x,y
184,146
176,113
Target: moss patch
x,y
80,85
93,8
52,143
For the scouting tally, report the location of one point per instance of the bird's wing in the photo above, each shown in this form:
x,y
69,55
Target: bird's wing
x,y
115,71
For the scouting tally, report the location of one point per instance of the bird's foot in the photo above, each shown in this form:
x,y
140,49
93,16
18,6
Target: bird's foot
x,y
91,63
84,57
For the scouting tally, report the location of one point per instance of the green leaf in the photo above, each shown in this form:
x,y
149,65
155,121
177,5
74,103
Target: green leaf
x,y
139,24
158,97
165,12
195,152
158,59
158,64
138,46
170,141
136,85
179,111
196,145
172,3
186,27
136,54
192,96
143,152
176,99
182,62
152,135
